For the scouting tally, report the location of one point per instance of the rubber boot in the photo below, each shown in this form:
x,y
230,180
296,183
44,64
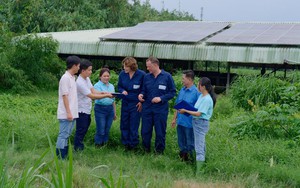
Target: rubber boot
x,y
199,167
62,153
66,150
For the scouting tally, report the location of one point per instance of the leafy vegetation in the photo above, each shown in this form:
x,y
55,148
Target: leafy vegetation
x,y
248,91
254,135
274,104
246,160
31,62
56,15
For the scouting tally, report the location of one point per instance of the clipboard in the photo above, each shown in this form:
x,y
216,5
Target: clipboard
x,y
185,105
118,95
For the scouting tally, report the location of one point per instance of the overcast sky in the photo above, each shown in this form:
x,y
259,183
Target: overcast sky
x,y
235,10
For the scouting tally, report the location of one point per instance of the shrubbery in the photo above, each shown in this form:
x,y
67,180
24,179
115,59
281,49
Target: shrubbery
x,y
259,90
29,63
274,104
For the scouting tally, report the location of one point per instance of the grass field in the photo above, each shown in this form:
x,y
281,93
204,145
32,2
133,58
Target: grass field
x,y
28,127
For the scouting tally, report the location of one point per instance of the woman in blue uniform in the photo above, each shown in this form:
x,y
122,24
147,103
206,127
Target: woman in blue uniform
x,y
130,84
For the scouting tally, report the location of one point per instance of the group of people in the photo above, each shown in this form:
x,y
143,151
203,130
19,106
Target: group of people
x,y
144,97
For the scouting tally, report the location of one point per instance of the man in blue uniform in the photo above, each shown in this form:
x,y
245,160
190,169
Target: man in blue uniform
x,y
130,84
158,88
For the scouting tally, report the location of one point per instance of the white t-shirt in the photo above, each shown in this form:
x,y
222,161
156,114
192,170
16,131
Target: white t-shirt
x,y
67,86
83,89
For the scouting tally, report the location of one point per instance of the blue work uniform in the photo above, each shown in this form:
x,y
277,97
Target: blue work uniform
x,y
156,114
130,117
185,134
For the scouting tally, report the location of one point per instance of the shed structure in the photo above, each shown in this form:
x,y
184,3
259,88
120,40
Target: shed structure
x,y
266,45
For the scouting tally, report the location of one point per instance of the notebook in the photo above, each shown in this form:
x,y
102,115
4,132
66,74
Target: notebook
x,y
118,95
185,105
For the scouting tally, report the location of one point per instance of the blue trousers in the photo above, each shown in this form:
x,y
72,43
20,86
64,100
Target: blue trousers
x,y
129,126
82,126
185,136
65,131
200,127
104,116
159,121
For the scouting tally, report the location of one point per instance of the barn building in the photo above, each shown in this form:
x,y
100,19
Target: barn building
x,y
184,43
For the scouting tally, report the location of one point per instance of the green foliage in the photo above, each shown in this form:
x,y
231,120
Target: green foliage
x,y
13,80
31,173
272,121
37,58
111,182
56,15
3,168
28,63
290,94
26,121
275,108
62,176
224,107
249,91
5,38
32,59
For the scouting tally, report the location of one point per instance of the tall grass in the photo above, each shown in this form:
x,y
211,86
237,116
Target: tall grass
x,y
247,91
3,168
230,162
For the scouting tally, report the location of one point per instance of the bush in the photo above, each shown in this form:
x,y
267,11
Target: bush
x,y
14,80
290,95
247,92
224,107
272,121
275,108
37,58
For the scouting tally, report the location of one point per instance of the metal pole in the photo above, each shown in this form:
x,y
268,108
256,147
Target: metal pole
x,y
228,77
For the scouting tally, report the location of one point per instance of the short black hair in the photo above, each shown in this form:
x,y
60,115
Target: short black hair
x,y
72,60
189,74
84,64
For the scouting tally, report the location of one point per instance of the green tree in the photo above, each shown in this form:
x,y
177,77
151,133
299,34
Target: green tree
x,y
37,57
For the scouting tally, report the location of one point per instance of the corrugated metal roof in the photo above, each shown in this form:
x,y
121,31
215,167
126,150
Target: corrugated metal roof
x,y
264,55
81,36
87,42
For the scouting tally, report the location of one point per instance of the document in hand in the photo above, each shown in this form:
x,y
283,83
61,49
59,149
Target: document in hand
x,y
185,105
119,95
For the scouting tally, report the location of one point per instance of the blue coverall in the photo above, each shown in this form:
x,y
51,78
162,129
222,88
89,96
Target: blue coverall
x,y
156,114
130,117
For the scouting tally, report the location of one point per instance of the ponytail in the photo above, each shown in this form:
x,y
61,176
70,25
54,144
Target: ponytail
x,y
204,81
